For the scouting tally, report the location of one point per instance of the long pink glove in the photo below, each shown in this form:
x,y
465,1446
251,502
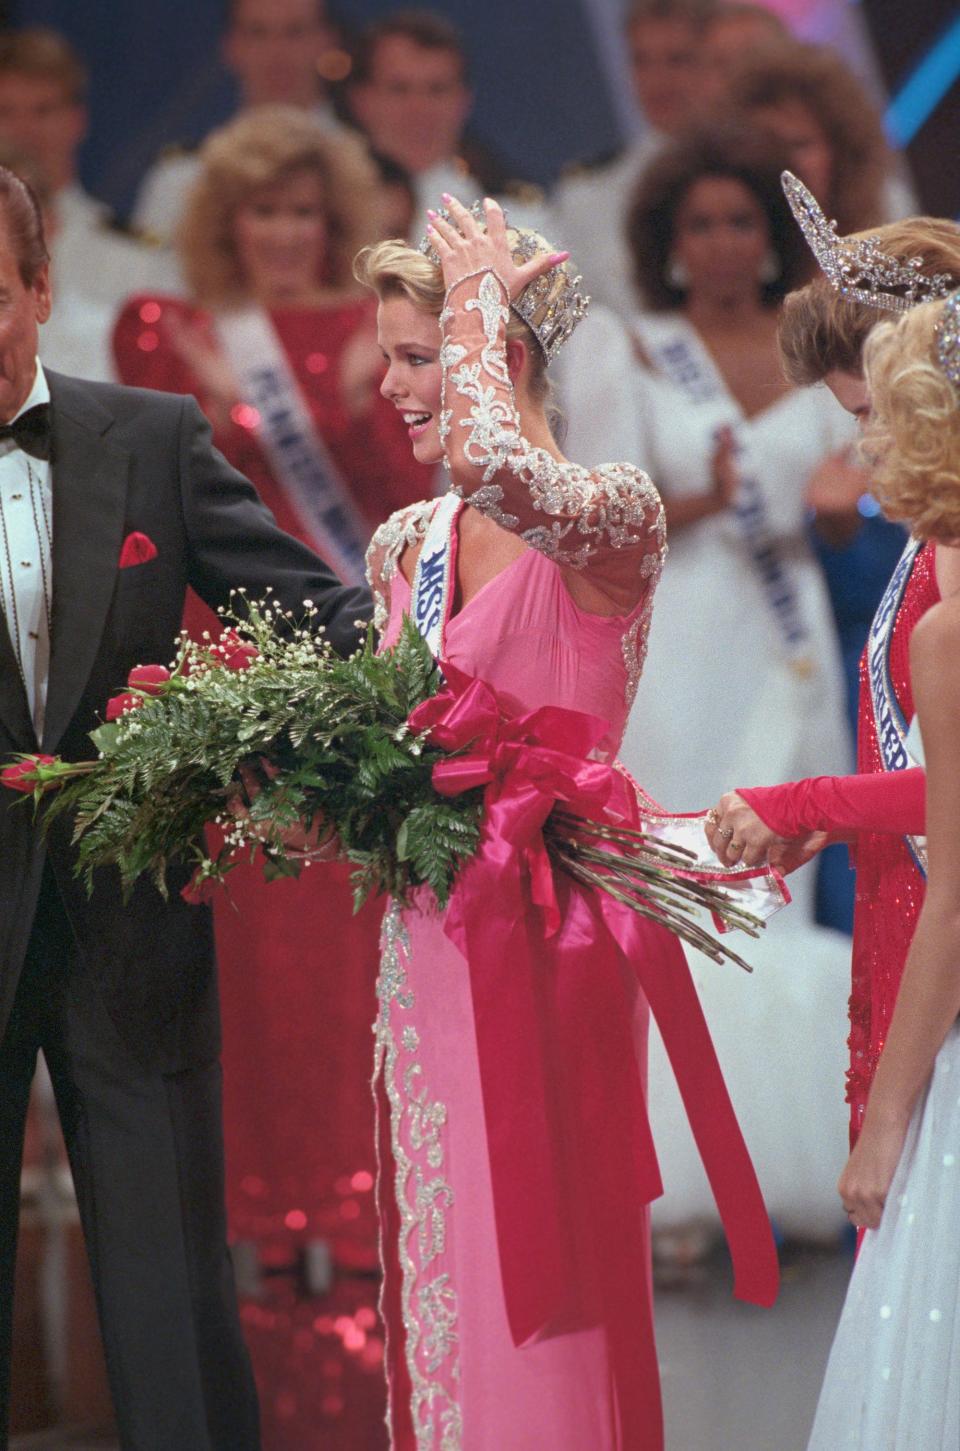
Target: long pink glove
x,y
885,801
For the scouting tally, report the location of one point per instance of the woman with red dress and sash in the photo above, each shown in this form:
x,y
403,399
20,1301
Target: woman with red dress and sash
x,y
880,811
279,347
891,1382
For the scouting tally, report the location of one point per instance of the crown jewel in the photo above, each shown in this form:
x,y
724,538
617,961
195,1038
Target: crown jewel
x,y
552,304
948,339
861,269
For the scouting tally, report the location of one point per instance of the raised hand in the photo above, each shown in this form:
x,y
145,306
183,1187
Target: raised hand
x,y
465,248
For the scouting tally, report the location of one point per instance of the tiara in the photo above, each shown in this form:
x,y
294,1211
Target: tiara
x,y
552,304
860,269
948,339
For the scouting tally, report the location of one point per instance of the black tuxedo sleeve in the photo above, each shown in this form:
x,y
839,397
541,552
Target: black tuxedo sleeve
x,y
235,543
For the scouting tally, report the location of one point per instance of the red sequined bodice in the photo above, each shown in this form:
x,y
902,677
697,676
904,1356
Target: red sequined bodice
x,y
890,886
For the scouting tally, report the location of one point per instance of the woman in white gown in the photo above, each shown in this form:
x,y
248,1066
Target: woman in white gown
x,y
893,1380
743,680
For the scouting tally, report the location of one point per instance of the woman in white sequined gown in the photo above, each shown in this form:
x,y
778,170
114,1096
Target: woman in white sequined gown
x,y
743,679
893,1379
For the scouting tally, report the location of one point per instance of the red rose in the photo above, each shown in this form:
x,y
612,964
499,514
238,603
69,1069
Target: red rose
x,y
21,775
148,678
235,653
118,704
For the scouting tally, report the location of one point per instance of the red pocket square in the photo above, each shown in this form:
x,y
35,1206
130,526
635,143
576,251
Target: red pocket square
x,y
137,549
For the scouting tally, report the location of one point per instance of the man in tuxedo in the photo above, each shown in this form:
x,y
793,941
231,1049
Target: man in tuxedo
x,y
112,501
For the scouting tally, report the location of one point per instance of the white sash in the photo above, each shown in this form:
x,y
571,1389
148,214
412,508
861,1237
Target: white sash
x,y
686,366
297,455
891,725
433,579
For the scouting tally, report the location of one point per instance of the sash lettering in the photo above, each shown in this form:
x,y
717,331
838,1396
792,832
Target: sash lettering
x,y
891,726
298,457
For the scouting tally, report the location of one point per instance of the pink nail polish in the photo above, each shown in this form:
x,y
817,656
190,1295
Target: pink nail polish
x,y
445,196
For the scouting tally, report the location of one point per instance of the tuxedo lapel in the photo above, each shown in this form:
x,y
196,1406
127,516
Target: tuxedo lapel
x,y
14,708
89,496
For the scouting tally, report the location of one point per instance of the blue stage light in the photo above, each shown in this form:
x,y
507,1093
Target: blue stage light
x,y
925,88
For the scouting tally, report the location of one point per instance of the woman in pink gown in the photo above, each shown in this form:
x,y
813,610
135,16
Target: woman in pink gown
x,y
516,1162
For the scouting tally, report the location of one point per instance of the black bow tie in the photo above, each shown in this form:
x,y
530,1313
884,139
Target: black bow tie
x,y
31,431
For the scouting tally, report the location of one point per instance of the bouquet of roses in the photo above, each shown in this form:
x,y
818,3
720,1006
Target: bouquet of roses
x,y
403,762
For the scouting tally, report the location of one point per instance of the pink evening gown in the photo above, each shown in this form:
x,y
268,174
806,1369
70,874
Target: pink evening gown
x,y
516,1162
457,1377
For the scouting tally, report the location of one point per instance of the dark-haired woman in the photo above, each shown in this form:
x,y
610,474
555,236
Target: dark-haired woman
x,y
744,662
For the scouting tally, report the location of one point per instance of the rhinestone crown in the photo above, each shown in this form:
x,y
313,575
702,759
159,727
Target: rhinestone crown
x,y
552,304
860,269
948,339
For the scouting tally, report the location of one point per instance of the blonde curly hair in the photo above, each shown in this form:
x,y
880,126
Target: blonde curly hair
x,y
913,437
262,147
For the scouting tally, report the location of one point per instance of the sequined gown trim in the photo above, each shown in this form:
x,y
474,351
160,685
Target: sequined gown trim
x,y
404,529
571,514
890,888
424,1197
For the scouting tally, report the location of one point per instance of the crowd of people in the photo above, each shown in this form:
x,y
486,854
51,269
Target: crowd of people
x,y
290,275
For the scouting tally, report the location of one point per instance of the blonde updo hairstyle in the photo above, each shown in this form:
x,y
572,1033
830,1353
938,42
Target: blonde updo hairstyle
x,y
261,148
913,437
394,269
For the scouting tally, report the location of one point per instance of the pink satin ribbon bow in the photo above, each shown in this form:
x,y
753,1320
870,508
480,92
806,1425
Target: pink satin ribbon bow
x,y
572,1159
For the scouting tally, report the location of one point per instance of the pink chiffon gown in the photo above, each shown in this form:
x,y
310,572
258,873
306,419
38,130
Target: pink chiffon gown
x,y
516,1162
457,1377
524,635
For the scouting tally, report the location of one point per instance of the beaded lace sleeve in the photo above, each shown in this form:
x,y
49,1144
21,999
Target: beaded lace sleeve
x,y
402,530
580,518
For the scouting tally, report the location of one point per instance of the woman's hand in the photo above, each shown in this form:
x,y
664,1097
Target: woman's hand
x,y
834,491
318,843
723,469
361,371
740,838
866,1179
736,833
465,248
208,366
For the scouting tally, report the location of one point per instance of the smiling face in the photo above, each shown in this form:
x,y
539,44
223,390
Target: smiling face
x,y
273,46
22,309
666,66
410,341
41,119
721,236
280,234
803,142
414,103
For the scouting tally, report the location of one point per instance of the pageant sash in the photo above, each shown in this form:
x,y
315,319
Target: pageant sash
x,y
689,369
891,725
298,457
434,579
